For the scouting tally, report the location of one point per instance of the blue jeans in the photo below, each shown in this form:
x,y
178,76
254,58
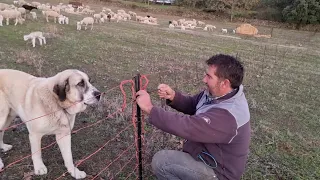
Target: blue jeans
x,y
177,165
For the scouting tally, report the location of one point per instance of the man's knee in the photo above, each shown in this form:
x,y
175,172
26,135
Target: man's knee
x,y
159,160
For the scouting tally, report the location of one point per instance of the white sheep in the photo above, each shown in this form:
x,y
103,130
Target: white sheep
x,y
171,26
200,23
78,25
4,6
51,13
183,27
153,20
86,21
175,23
34,15
121,11
12,14
15,2
132,13
66,20
224,30
35,4
97,17
61,19
1,20
209,27
33,36
23,11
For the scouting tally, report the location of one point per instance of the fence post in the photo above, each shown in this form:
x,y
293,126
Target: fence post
x,y
137,88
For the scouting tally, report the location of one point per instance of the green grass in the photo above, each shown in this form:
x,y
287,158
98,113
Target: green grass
x,y
281,85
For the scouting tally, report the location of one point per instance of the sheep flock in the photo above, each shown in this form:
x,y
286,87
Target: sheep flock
x,y
21,11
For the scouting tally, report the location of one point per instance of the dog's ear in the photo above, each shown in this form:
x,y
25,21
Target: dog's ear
x,y
61,89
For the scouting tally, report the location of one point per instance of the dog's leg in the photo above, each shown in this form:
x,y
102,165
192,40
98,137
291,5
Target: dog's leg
x,y
1,164
6,118
35,142
64,142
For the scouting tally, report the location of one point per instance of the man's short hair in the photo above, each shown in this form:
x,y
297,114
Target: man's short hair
x,y
227,67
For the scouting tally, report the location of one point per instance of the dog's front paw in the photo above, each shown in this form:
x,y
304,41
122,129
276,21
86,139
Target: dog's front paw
x,y
76,173
40,169
1,164
5,147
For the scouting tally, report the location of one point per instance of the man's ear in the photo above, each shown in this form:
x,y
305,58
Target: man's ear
x,y
226,83
61,89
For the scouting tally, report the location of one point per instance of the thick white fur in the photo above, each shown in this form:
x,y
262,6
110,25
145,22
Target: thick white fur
x,y
28,97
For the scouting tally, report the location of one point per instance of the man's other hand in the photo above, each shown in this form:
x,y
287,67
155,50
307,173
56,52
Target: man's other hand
x,y
144,101
166,92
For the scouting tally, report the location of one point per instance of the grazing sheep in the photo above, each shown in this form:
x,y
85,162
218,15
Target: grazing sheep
x,y
1,20
200,23
132,13
224,30
34,15
121,11
35,4
61,19
78,25
33,36
97,17
183,27
175,23
23,11
66,20
4,6
12,14
209,27
86,21
53,14
171,26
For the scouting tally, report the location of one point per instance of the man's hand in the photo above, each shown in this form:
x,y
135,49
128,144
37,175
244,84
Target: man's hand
x,y
144,101
165,91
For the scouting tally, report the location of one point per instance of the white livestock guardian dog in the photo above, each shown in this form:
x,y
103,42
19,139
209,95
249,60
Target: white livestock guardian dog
x,y
29,97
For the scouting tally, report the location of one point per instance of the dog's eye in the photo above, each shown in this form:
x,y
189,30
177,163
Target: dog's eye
x,y
81,83
91,80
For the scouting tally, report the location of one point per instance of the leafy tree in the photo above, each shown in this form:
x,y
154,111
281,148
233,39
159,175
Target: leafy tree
x,y
302,12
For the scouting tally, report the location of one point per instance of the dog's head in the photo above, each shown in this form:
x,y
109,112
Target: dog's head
x,y
74,91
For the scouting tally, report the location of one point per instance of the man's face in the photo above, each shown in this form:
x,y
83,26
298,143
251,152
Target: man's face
x,y
214,84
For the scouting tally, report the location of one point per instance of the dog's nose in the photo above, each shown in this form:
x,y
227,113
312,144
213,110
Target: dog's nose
x,y
97,94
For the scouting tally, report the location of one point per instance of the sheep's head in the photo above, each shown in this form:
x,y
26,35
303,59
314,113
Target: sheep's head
x,y
25,37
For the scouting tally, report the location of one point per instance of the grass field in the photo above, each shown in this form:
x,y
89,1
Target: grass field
x,y
282,83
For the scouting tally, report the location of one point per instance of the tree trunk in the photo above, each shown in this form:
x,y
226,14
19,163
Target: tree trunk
x,y
298,26
232,11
